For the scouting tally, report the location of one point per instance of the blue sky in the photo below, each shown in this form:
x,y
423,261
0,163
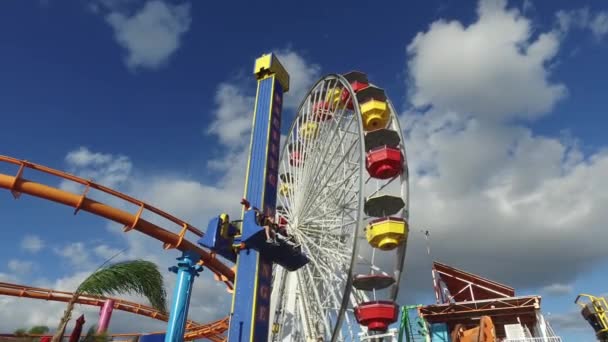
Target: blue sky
x,y
152,97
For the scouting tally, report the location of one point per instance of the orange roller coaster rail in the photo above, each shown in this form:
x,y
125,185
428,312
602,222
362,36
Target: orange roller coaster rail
x,y
17,185
196,330
210,331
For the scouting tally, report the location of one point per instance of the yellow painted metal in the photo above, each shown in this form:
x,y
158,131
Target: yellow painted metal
x,y
309,130
225,223
284,189
387,234
335,98
600,306
269,64
375,114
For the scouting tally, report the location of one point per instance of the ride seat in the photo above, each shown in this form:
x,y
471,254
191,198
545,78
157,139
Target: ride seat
x,y
384,162
358,81
381,137
386,233
377,315
371,282
383,205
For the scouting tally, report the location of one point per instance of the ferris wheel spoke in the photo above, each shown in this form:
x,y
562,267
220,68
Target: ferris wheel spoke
x,y
314,102
311,187
330,164
327,225
324,214
317,297
384,186
332,174
324,251
344,206
338,166
331,301
325,153
334,132
341,191
323,304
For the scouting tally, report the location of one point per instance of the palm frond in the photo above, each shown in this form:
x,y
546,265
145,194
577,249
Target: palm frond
x,y
138,276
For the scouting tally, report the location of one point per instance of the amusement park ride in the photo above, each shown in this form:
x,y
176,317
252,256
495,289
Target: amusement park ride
x,y
301,272
319,247
595,312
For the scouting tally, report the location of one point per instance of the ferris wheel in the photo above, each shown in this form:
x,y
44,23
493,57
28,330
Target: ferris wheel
x,y
343,197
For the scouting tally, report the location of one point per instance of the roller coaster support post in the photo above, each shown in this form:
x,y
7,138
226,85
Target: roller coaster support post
x,y
105,315
250,311
406,328
186,269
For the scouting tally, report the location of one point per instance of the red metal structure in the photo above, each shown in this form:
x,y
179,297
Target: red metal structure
x,y
77,331
377,315
384,162
465,287
358,81
465,298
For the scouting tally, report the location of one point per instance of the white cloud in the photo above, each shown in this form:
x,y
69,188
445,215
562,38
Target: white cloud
x,y
557,289
8,278
105,169
492,68
302,75
571,320
583,18
233,115
84,157
599,25
77,254
32,243
499,200
235,100
20,266
151,35
106,252
177,194
527,6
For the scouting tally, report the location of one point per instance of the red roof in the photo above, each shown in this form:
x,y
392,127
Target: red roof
x,y
464,286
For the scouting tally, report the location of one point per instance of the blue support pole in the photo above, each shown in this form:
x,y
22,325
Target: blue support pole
x,y
186,270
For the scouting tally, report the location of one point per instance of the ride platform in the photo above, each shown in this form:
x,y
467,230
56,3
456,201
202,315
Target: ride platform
x,y
224,241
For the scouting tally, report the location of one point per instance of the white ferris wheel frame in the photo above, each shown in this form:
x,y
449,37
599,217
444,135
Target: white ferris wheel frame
x,y
292,300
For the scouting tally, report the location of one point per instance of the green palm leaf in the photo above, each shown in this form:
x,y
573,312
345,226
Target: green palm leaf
x,y
138,276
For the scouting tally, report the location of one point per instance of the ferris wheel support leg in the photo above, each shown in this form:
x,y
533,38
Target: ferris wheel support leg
x,y
186,269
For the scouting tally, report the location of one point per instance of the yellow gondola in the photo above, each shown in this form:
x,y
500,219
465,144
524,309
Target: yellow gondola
x,y
387,233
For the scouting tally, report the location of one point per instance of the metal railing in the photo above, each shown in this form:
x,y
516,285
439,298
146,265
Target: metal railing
x,y
534,339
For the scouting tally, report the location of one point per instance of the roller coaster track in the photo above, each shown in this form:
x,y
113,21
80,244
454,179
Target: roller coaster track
x,y
195,330
18,185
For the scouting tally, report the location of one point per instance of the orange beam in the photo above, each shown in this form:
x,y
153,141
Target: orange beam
x,y
18,185
16,290
210,331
